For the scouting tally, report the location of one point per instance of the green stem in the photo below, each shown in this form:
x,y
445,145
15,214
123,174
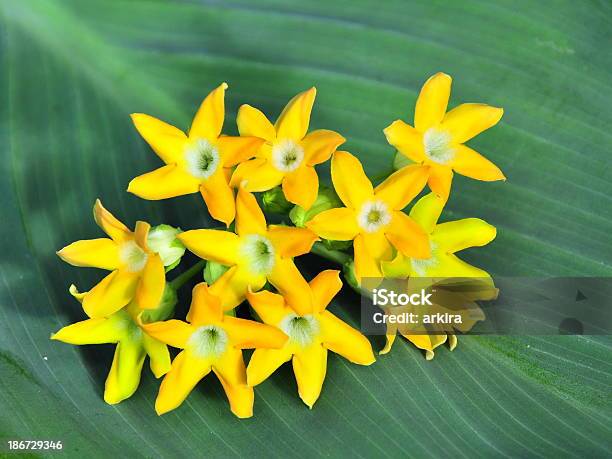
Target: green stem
x,y
332,255
181,279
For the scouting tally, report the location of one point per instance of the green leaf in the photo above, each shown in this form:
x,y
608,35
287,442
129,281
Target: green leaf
x,y
71,72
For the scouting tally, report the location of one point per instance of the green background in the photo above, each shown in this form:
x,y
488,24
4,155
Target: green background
x,y
72,71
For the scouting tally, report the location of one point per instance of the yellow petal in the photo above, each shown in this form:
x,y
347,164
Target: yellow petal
x,y
174,332
469,120
252,122
141,233
325,286
152,283
406,139
116,230
309,367
367,263
208,121
231,372
290,241
248,334
235,150
426,342
185,373
270,307
390,339
294,120
427,211
407,236
124,376
350,181
432,102
440,179
159,356
398,268
449,265
74,291
92,331
472,164
166,141
166,182
249,217
97,253
205,307
343,339
256,175
215,245
335,224
286,278
402,186
301,186
319,145
461,234
233,285
110,294
219,197
264,362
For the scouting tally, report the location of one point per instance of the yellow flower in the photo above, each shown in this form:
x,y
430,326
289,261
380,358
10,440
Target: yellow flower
x,y
210,341
372,217
200,161
312,332
133,345
289,154
255,253
137,272
437,138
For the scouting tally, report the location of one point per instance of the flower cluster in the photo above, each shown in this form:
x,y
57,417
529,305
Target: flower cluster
x,y
360,225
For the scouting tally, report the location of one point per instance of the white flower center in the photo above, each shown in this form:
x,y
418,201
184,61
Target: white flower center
x,y
438,146
208,341
133,256
421,265
287,155
301,330
259,253
373,216
202,159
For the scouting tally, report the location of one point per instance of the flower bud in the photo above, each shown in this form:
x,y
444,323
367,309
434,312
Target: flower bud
x,y
162,239
213,271
164,309
274,201
326,199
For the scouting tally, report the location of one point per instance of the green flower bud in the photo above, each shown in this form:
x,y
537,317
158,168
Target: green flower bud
x,y
162,239
326,199
337,245
164,309
274,201
400,161
213,271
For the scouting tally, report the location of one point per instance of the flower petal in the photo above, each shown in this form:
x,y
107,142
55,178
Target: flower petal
x,y
390,339
216,245
141,233
407,236
252,122
208,121
449,265
406,139
402,186
432,102
366,265
174,332
166,141
325,286
110,294
301,186
425,342
166,182
270,307
440,179
319,145
116,230
159,356
335,224
256,175
92,331
427,211
398,268
461,234
233,285
350,182
290,283
248,334
205,307
97,253
235,150
231,372
290,241
185,373
124,376
341,338
264,362
472,164
468,120
219,197
294,120
152,283
249,217
309,367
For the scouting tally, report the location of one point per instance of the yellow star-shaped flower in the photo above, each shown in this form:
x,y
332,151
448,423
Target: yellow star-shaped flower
x,y
437,138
